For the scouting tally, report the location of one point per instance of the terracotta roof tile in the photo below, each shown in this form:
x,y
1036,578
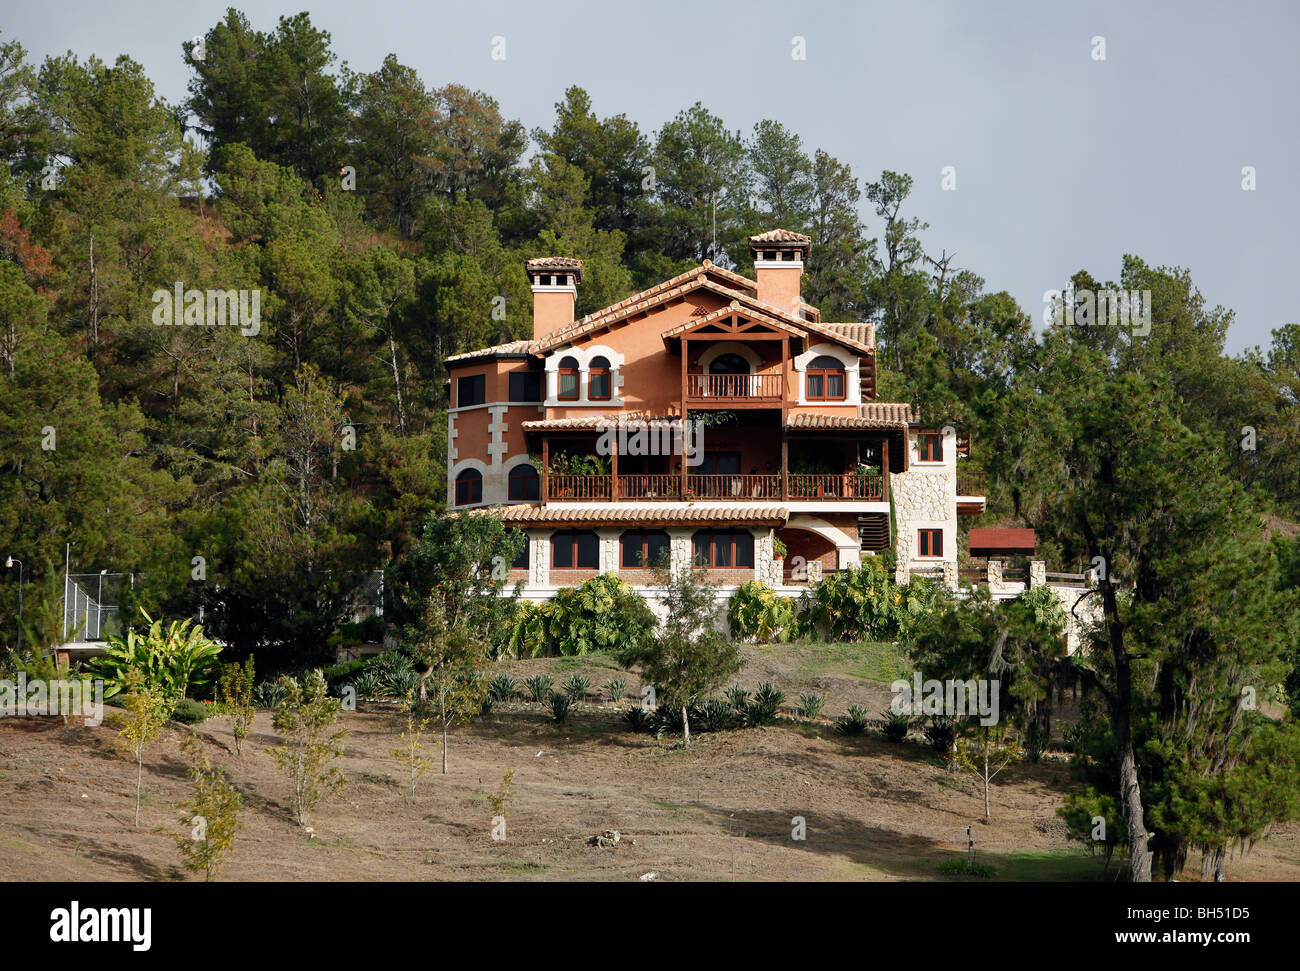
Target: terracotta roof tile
x,y
511,349
780,236
630,419
618,513
875,414
1001,540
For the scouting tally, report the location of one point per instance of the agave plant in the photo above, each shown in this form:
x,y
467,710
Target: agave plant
x,y
560,705
765,705
538,685
617,689
269,694
811,705
170,660
855,722
576,687
503,688
737,697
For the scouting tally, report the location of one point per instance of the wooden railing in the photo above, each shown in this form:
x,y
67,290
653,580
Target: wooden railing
x,y
649,486
848,485
578,486
734,486
734,387
970,484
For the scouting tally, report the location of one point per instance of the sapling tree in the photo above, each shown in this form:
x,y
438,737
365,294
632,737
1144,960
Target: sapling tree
x,y
235,698
687,655
454,657
211,815
147,709
412,753
984,753
311,744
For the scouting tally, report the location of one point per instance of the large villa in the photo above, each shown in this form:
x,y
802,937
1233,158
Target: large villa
x,y
714,416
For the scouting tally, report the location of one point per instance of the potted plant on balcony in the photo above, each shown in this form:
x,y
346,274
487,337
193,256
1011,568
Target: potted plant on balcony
x,y
778,549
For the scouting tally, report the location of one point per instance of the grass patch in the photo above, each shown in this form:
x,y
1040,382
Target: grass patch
x,y
880,661
521,866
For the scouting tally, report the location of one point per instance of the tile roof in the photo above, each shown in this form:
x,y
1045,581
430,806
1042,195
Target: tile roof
x,y
1002,540
654,514
863,333
875,414
511,349
628,419
780,236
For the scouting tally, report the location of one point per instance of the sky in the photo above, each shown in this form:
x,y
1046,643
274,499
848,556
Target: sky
x,y
1063,161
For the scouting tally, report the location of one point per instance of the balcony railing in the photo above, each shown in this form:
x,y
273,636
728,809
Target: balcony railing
x,y
849,485
970,484
734,387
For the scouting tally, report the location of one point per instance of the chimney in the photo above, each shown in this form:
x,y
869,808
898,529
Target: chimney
x,y
555,282
778,265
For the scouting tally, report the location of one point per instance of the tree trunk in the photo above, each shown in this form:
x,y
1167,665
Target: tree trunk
x,y
442,705
139,778
987,814
1221,865
686,725
397,385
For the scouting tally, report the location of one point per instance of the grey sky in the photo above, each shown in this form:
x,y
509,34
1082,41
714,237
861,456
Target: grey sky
x,y
1062,162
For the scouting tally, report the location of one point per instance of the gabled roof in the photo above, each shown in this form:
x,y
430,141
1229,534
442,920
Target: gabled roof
x,y
873,414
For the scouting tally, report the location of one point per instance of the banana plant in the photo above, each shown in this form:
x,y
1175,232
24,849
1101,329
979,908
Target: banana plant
x,y
171,659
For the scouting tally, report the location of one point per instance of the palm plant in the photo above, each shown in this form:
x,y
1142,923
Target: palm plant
x,y
170,660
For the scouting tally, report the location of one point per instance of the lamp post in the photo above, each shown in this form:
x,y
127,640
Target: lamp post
x,y
9,562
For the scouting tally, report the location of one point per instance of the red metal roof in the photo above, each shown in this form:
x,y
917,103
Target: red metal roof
x,y
985,541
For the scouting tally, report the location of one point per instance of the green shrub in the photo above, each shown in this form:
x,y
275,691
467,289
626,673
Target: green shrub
x,y
963,868
755,613
637,719
851,605
576,687
715,715
811,705
602,614
941,733
617,689
503,688
560,706
896,725
853,723
340,676
737,697
190,712
766,704
269,694
538,685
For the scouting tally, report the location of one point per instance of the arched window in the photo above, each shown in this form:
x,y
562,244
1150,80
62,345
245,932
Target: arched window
x,y
825,379
641,547
575,549
523,482
568,379
723,548
599,383
728,364
469,487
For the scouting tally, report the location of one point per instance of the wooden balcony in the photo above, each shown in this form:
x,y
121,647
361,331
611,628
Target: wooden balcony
x,y
734,390
970,483
710,488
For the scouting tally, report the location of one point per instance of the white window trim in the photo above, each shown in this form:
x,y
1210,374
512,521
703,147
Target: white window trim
x,y
584,355
852,365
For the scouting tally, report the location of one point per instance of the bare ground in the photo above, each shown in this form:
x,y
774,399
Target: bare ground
x,y
720,810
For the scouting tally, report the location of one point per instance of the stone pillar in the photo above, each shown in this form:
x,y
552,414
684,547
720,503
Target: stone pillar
x,y
995,574
1037,573
950,577
539,559
814,571
679,546
608,540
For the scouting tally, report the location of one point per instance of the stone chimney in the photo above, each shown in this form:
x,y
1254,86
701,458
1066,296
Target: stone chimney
x,y
555,282
778,266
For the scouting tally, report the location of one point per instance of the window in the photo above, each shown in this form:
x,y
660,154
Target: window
x,y
599,383
575,549
720,463
825,379
469,487
525,386
930,448
729,364
569,379
471,390
929,542
723,548
641,547
523,482
520,561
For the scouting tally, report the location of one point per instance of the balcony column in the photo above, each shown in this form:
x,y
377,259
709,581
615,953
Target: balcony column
x,y
546,466
686,353
785,462
613,467
884,466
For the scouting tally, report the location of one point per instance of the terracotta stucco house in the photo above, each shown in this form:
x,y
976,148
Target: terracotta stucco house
x,y
711,415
